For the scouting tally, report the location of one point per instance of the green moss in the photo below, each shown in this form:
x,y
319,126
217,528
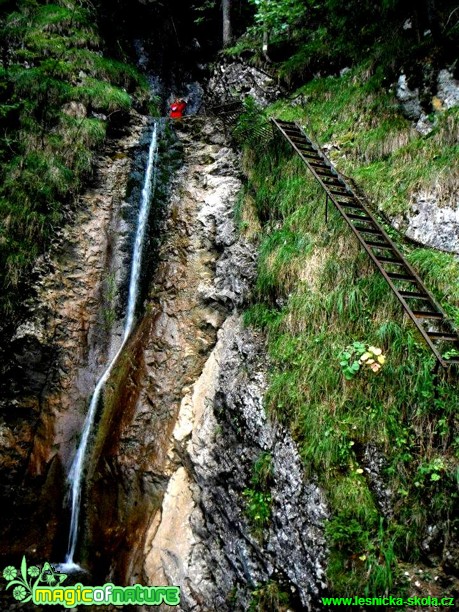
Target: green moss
x,y
372,142
317,294
257,497
102,96
269,596
45,154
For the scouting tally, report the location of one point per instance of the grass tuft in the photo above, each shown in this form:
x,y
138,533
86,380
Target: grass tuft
x,y
318,293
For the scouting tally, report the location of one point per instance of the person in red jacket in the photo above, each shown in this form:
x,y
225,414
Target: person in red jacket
x,y
177,108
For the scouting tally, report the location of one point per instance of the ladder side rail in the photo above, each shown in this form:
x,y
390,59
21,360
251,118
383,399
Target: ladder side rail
x,y
386,237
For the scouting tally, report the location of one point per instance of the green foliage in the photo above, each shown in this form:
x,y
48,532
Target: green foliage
x,y
277,15
51,79
309,37
269,597
102,96
258,509
252,126
258,498
202,9
262,471
317,292
430,471
349,359
358,355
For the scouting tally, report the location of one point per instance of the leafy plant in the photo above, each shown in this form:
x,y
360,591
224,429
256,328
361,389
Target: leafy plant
x,y
451,354
258,508
269,597
358,355
430,471
258,497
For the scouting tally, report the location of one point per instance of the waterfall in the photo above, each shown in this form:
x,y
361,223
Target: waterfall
x,y
75,476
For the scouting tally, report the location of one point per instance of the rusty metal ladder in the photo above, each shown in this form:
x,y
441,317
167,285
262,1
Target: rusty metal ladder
x,y
419,304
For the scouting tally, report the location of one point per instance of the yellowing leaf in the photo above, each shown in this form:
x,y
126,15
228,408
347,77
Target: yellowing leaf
x,y
381,359
365,356
359,471
375,350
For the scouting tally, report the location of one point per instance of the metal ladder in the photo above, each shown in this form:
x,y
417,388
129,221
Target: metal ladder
x,y
417,301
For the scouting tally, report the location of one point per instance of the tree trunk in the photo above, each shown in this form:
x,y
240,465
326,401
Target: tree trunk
x,y
433,18
265,43
227,35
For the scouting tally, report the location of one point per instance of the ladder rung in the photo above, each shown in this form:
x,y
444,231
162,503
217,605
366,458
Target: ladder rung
x,y
442,336
415,295
380,245
358,217
400,276
350,205
341,194
310,154
391,260
336,182
369,230
427,314
327,173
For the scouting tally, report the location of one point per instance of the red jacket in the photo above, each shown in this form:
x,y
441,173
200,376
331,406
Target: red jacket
x,y
177,109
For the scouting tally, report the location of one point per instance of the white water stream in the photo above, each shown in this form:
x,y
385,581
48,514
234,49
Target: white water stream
x,y
76,472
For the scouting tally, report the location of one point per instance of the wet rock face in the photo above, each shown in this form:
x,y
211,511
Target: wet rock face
x,y
213,425
58,350
193,288
242,81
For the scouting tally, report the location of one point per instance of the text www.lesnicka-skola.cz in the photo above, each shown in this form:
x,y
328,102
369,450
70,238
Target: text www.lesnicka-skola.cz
x,y
390,600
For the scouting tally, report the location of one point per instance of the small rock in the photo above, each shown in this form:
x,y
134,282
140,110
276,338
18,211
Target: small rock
x,y
75,109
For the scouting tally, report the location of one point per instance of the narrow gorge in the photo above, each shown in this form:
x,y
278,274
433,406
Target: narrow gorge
x,y
213,217
175,423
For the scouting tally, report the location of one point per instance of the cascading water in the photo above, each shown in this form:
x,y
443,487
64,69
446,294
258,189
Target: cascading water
x,y
75,476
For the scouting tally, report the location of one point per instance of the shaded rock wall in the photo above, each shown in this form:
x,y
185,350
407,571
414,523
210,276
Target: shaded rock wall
x,y
59,351
183,420
192,290
434,216
203,540
231,80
